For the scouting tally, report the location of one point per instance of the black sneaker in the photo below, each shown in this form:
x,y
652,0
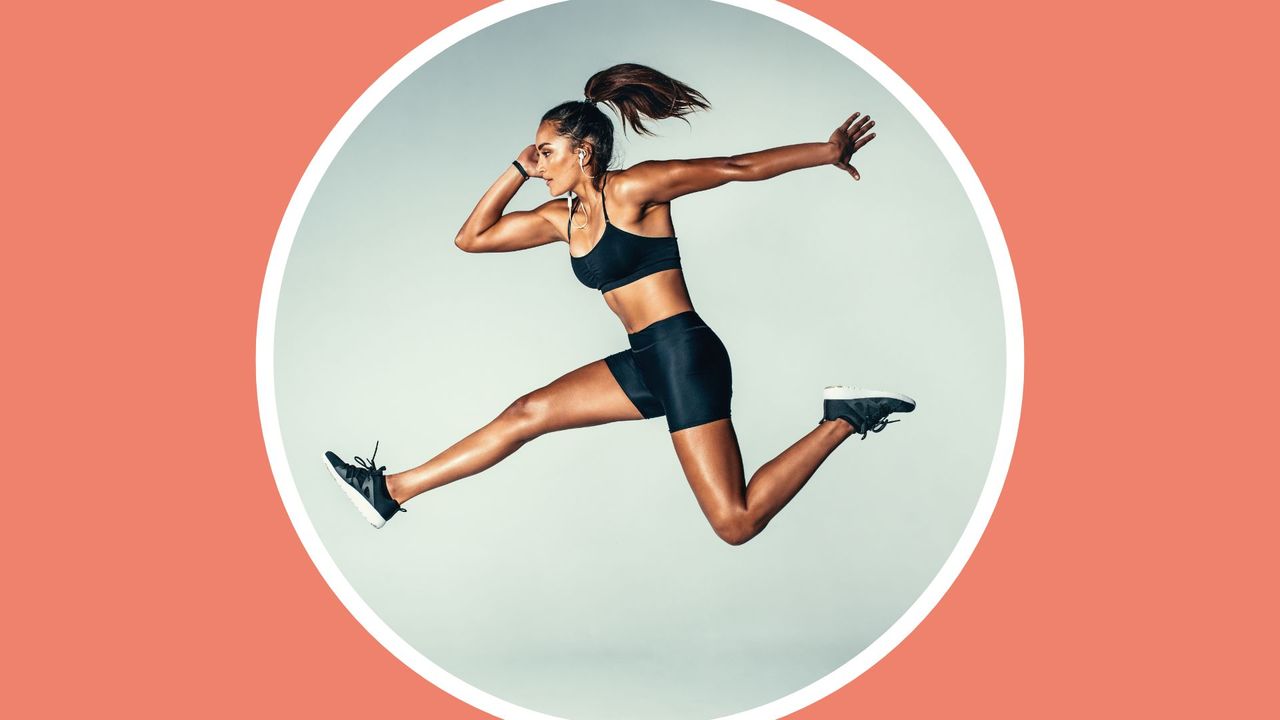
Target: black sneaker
x,y
365,485
865,410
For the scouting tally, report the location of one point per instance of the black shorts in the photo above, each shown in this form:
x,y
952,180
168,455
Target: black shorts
x,y
676,367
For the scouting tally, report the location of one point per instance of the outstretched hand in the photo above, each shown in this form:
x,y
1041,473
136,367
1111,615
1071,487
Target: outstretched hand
x,y
849,138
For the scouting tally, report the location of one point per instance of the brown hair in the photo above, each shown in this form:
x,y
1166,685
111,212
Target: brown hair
x,y
633,91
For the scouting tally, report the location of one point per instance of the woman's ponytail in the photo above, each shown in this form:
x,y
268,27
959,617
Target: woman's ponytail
x,y
638,90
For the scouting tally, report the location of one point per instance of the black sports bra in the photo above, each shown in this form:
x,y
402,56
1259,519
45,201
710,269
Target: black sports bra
x,y
621,258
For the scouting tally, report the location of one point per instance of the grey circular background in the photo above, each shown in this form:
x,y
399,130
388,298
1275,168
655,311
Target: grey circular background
x,y
578,577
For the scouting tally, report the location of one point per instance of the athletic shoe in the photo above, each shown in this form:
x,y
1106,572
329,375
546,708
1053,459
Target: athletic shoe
x,y
865,410
365,485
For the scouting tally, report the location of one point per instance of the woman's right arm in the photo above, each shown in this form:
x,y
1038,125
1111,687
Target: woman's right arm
x,y
487,229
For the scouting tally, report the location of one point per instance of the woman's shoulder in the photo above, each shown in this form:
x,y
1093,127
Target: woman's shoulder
x,y
631,204
554,208
628,184
619,178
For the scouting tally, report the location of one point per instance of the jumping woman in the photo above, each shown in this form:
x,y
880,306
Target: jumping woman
x,y
621,241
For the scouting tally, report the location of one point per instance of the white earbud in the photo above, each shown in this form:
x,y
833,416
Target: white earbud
x,y
582,155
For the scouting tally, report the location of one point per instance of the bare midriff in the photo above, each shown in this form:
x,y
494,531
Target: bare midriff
x,y
649,299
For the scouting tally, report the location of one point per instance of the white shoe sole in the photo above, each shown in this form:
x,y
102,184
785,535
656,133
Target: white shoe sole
x,y
356,498
843,392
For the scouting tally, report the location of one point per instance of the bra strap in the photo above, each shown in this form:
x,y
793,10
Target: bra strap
x,y
602,204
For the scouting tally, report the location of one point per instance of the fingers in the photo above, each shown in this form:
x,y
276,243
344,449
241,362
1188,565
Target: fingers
x,y
853,171
857,129
860,127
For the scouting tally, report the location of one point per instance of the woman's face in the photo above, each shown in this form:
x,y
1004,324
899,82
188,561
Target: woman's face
x,y
557,159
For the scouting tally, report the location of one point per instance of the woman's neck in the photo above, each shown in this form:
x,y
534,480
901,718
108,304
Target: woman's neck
x,y
588,195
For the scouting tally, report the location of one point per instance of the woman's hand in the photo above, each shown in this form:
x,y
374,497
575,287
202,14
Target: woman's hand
x,y
529,161
848,139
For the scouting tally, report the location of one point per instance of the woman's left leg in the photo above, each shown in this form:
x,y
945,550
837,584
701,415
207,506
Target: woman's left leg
x,y
687,367
737,510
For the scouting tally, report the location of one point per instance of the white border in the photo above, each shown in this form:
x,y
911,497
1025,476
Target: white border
x,y
266,358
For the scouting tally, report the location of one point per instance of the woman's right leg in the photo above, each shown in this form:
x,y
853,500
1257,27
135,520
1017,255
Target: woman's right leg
x,y
584,397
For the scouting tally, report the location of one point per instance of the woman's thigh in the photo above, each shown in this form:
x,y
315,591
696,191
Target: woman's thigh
x,y
712,462
590,395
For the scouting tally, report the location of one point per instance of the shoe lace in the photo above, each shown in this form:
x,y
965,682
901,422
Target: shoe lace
x,y
874,422
878,426
369,464
371,467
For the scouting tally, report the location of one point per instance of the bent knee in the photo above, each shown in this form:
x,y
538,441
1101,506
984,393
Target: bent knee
x,y
734,528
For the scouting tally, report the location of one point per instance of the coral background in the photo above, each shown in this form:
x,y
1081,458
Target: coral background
x,y
150,150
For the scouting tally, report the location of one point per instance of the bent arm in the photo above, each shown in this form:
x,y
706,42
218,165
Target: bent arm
x,y
659,181
488,230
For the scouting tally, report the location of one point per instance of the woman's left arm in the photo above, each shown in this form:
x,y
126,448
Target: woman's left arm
x,y
658,181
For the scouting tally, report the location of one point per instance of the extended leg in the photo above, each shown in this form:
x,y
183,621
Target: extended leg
x,y
712,461
584,397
